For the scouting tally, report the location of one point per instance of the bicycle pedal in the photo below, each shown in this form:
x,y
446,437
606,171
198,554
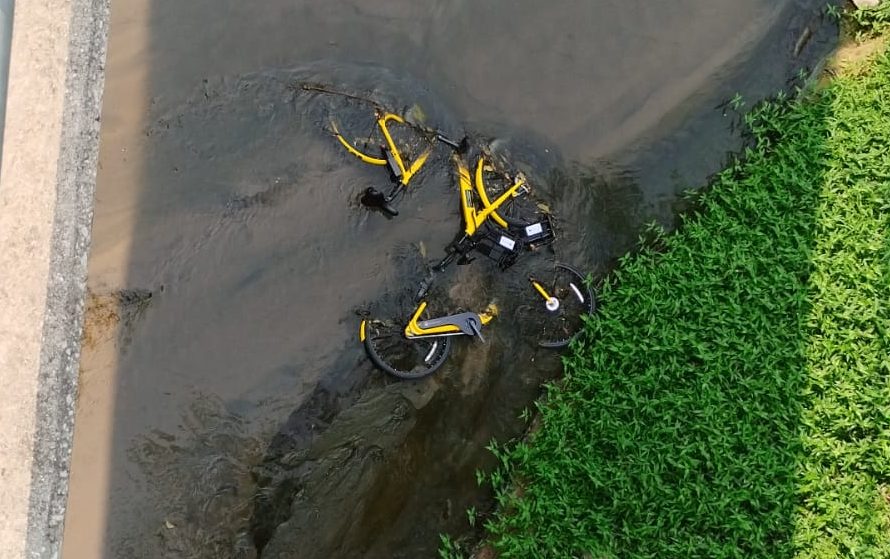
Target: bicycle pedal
x,y
373,198
425,287
474,326
503,249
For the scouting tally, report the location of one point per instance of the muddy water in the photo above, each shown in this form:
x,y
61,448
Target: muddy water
x,y
226,408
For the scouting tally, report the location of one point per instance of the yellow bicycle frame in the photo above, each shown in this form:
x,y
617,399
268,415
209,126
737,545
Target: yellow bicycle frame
x,y
353,150
483,195
406,172
473,219
414,330
540,289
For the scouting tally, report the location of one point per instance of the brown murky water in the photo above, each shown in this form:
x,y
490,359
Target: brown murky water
x,y
226,408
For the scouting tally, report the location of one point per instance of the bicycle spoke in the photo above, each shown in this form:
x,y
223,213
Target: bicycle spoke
x,y
559,323
398,355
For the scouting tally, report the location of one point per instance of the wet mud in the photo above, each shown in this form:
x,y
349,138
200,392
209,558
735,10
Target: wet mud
x,y
227,408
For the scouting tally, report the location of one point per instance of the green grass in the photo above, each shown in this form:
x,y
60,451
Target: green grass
x,y
732,397
870,21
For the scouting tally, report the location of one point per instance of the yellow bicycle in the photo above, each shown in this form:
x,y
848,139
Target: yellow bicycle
x,y
402,167
496,228
486,228
416,346
392,156
499,221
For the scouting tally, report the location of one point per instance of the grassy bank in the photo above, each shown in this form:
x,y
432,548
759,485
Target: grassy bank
x,y
732,397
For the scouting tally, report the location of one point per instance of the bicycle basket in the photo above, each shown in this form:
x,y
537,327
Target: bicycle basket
x,y
501,247
535,234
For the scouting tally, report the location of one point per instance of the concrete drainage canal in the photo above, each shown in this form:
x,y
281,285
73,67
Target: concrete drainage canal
x,y
226,405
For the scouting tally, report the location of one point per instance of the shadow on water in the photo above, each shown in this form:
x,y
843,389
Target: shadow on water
x,y
244,412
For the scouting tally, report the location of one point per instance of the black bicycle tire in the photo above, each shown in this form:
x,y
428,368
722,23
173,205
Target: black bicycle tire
x,y
589,308
516,222
382,364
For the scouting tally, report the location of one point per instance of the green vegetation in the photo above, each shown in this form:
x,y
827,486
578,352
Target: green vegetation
x,y
732,397
870,21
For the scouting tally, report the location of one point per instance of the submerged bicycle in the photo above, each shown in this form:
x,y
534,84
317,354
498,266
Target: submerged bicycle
x,y
487,228
500,220
401,165
401,168
416,346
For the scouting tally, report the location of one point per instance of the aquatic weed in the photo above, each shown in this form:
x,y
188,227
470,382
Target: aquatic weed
x,y
737,102
449,548
472,515
834,12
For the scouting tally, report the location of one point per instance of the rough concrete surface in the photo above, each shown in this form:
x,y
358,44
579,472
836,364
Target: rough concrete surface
x,y
47,179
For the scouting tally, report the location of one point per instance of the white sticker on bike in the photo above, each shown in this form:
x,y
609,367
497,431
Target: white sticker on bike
x,y
507,242
534,229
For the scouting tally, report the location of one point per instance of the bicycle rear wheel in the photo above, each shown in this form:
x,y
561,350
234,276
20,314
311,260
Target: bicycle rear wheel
x,y
391,351
559,299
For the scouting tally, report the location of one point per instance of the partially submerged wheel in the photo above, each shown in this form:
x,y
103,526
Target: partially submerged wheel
x,y
391,351
558,301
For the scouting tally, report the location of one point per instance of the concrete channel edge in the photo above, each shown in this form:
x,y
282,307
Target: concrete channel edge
x,y
66,286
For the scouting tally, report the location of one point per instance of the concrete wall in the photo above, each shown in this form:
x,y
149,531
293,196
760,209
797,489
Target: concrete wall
x,y
5,42
47,177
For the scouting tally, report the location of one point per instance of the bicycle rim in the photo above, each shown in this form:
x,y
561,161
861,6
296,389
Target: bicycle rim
x,y
391,351
555,325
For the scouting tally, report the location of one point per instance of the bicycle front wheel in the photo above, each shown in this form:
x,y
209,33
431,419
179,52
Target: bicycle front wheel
x,y
391,351
559,300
